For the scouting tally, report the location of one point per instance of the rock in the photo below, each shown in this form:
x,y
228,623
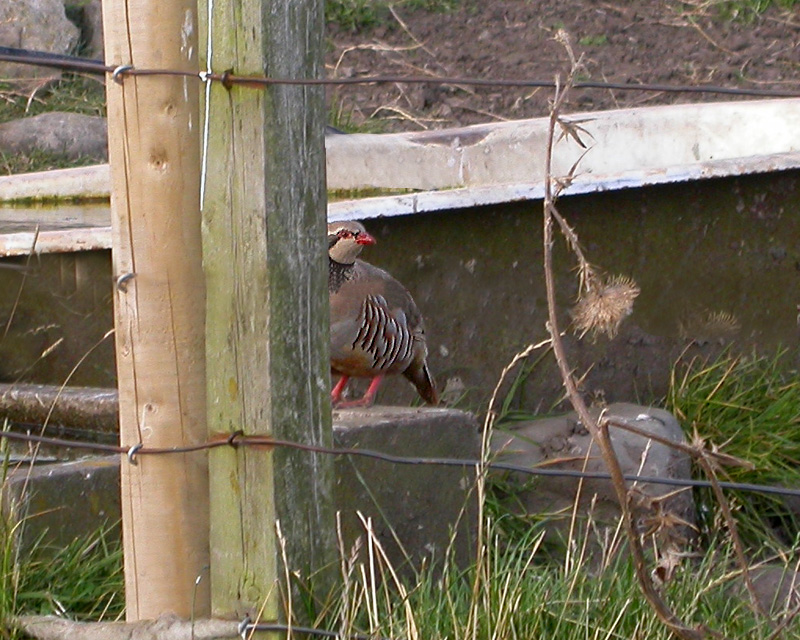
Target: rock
x,y
72,134
776,587
564,443
40,25
88,15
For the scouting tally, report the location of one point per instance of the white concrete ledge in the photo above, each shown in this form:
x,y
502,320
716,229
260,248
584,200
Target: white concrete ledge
x,y
642,143
477,196
504,162
88,183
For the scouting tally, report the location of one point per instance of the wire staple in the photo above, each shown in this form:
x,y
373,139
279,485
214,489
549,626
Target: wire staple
x,y
117,74
132,453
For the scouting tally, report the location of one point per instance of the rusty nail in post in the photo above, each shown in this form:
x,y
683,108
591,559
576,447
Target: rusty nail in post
x,y
225,79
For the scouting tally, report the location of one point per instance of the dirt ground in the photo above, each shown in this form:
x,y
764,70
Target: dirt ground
x,y
632,42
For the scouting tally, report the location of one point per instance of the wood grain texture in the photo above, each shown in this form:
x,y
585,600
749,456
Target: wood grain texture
x,y
266,267
159,312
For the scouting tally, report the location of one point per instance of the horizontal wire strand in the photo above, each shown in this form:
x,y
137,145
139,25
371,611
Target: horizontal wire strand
x,y
238,439
228,79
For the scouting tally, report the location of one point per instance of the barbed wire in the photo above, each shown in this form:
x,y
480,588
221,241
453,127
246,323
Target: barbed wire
x,y
229,79
238,438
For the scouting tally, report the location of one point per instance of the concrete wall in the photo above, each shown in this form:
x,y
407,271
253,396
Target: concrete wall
x,y
719,246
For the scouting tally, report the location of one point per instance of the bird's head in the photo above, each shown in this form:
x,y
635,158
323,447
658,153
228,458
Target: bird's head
x,y
345,240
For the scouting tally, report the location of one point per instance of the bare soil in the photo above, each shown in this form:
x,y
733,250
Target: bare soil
x,y
633,42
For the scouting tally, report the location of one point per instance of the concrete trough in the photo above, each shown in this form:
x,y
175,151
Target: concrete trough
x,y
484,164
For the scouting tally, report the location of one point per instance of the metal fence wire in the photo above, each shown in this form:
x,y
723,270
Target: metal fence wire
x,y
228,79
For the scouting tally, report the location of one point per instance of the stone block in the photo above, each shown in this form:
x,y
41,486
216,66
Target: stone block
x,y
415,509
56,503
40,25
563,442
73,135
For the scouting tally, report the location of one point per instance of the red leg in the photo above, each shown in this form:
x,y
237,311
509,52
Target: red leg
x,y
336,393
367,399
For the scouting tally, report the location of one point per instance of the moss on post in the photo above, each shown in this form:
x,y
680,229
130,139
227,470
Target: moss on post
x,y
267,340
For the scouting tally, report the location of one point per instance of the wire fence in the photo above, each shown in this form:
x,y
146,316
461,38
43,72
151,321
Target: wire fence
x,y
239,439
228,78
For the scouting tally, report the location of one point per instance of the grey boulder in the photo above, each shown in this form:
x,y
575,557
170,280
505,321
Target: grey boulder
x,y
40,25
562,442
71,134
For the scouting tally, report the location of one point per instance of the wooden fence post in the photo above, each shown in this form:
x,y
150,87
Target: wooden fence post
x,y
264,212
159,303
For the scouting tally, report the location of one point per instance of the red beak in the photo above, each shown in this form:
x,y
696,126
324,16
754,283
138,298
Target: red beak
x,y
364,238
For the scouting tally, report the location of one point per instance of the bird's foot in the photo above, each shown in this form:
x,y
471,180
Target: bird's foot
x,y
353,404
366,400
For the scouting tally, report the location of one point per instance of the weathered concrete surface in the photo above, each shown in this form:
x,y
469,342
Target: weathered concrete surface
x,y
627,147
63,501
563,442
477,278
414,508
57,317
84,408
718,247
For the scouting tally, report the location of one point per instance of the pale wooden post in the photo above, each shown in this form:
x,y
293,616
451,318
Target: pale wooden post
x,y
154,154
264,213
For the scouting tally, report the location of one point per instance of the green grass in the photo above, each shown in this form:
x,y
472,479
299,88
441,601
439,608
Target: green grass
x,y
520,595
749,407
39,160
72,93
83,579
594,40
746,10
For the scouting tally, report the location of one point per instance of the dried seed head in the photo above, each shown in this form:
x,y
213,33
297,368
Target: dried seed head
x,y
604,305
708,325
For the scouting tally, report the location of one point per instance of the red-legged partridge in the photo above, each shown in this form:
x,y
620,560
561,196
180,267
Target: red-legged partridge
x,y
376,328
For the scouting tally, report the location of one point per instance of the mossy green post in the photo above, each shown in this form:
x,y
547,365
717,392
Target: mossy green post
x,y
264,215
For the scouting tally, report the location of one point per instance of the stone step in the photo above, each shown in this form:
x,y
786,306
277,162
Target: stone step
x,y
414,509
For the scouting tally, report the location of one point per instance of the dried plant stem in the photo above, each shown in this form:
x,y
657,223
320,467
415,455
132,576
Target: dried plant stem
x,y
732,530
599,431
701,456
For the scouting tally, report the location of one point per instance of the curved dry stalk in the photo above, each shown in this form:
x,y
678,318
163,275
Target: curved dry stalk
x,y
599,431
698,453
